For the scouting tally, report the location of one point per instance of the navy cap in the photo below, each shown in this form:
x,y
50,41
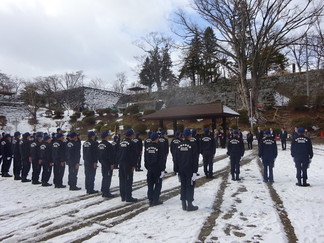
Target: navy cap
x,y
300,130
59,135
26,134
104,134
16,134
186,132
73,134
235,132
58,130
206,130
39,135
138,133
129,132
154,136
149,133
193,131
267,132
7,135
163,132
46,138
91,134
178,133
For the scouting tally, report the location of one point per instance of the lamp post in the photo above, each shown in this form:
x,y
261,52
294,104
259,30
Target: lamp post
x,y
251,110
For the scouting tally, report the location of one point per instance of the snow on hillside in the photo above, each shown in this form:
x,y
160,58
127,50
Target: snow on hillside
x,y
97,98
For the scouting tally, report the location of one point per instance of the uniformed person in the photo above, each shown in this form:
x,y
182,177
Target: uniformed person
x,y
302,153
47,160
175,142
186,165
59,159
164,145
268,152
154,163
208,150
127,159
235,149
283,138
35,154
106,158
17,165
90,157
25,156
259,135
139,148
115,144
6,151
73,160
147,140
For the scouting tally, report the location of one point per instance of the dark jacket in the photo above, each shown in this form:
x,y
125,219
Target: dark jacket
x,y
127,157
186,159
90,150
72,153
283,135
16,149
139,145
25,149
301,148
235,147
6,149
59,152
35,150
154,158
164,146
207,145
106,153
46,153
249,137
268,149
174,144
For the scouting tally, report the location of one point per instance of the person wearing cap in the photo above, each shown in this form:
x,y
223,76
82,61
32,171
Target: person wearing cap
x,y
115,144
16,156
127,159
26,159
47,160
302,153
106,158
154,163
283,138
175,142
235,149
59,159
90,150
78,143
208,150
148,139
35,155
164,145
73,161
6,151
268,152
186,165
222,138
139,147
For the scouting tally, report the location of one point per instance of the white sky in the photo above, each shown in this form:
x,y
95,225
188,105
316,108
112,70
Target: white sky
x,y
46,37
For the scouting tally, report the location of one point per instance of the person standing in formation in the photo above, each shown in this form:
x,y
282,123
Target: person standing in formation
x,y
17,157
302,153
36,161
154,163
47,160
6,151
186,165
73,161
235,149
174,145
59,159
25,156
268,152
208,150
139,148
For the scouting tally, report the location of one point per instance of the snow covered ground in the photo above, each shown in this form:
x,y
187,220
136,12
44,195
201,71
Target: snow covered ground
x,y
229,211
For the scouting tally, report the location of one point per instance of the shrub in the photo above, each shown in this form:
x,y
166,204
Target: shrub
x,y
298,103
180,127
234,126
319,101
137,116
90,120
88,113
147,112
304,122
132,109
105,128
73,119
98,127
244,117
77,114
153,127
58,114
141,128
101,112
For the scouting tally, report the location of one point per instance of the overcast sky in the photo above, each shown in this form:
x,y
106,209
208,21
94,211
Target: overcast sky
x,y
46,37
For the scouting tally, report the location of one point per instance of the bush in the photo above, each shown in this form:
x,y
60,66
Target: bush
x,y
137,116
58,114
73,119
304,122
147,112
101,112
105,128
298,103
98,127
77,114
180,127
141,128
153,127
234,126
319,101
132,109
88,113
90,120
244,117
127,126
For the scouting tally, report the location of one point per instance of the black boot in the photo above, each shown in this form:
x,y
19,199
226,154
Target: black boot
x,y
191,207
305,182
298,182
184,205
238,177
233,178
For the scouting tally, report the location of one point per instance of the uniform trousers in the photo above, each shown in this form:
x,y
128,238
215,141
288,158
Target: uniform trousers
x,y
187,187
301,166
154,184
47,171
58,174
125,182
17,166
107,173
235,164
25,168
208,164
73,175
268,165
90,174
36,170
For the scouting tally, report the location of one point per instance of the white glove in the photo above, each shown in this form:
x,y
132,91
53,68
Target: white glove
x,y
0,156
8,158
194,177
162,174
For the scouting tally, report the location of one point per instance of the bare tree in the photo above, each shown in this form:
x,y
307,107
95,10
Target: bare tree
x,y
97,83
246,27
298,51
31,96
72,80
120,82
317,46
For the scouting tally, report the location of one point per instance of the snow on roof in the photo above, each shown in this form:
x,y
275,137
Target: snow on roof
x,y
228,110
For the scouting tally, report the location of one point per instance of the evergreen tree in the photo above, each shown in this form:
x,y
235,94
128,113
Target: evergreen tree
x,y
168,78
146,74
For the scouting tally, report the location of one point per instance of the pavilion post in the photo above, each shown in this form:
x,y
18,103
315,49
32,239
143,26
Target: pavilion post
x,y
174,126
213,123
161,124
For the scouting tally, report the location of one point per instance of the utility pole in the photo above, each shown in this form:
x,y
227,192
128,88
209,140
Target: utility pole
x,y
307,68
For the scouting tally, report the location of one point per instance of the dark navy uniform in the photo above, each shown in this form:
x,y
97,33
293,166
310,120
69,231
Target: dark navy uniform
x,y
186,164
235,149
154,163
164,146
25,157
73,161
283,137
139,148
17,165
6,151
90,157
222,138
35,155
147,140
115,144
59,159
249,139
106,158
259,135
208,150
268,152
302,152
47,160
175,142
127,162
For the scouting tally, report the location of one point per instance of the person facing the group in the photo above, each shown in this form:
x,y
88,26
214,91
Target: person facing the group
x,y
249,139
235,149
283,138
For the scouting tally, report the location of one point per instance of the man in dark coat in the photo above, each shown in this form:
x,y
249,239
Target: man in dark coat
x,y
59,159
186,164
17,165
235,149
35,154
127,159
249,139
302,153
25,156
115,144
283,138
139,147
154,163
164,145
73,160
6,151
268,152
106,158
222,138
208,150
175,142
259,135
47,160
90,157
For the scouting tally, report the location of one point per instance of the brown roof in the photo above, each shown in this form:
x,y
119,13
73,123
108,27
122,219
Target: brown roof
x,y
192,112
